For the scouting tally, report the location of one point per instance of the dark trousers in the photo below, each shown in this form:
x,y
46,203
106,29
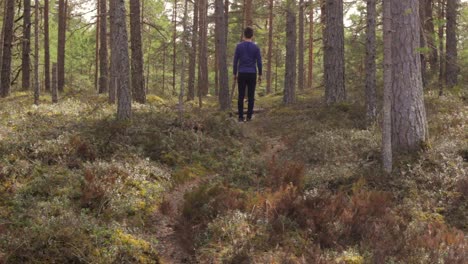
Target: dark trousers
x,y
246,81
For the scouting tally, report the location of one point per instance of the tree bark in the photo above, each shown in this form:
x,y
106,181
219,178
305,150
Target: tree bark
x,y
193,54
103,51
310,81
112,84
387,158
441,46
290,72
183,51
451,65
54,84
138,86
371,97
120,59
333,39
409,125
202,54
36,54
430,32
300,47
422,41
25,62
248,13
270,46
46,47
174,47
62,27
224,98
8,21
96,62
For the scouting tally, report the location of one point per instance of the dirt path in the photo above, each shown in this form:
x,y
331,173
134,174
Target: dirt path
x,y
172,246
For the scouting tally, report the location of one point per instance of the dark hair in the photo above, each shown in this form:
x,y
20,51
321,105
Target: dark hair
x,y
248,32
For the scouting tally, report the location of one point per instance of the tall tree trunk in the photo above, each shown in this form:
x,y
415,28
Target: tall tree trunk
x,y
451,65
216,69
8,21
387,158
300,47
120,59
96,55
430,32
112,84
310,81
270,46
183,51
224,98
174,47
202,54
138,86
164,70
25,62
54,90
36,53
103,51
193,54
422,40
441,46
62,27
333,57
248,9
371,97
290,72
409,125
46,47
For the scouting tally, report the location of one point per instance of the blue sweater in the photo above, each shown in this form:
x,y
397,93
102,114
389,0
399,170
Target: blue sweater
x,y
246,56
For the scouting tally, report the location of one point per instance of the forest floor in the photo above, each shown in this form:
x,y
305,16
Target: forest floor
x,y
298,184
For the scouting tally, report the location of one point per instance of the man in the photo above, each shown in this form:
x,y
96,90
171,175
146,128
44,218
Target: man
x,y
246,60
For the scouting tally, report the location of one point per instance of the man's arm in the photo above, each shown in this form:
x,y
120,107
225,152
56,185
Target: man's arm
x,y
236,61
259,65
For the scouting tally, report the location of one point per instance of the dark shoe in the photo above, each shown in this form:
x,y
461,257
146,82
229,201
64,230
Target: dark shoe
x,y
249,119
241,120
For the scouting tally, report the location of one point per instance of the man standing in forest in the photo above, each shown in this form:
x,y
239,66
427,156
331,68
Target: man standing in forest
x,y
246,60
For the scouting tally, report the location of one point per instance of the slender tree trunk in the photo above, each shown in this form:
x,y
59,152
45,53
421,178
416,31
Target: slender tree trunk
x,y
96,55
300,47
120,59
174,47
371,97
25,62
248,13
422,40
409,125
164,70
441,47
8,21
216,70
224,98
112,84
310,82
290,72
103,51
430,32
451,65
270,46
183,51
46,47
138,86
202,55
62,27
54,90
193,54
333,39
387,158
36,54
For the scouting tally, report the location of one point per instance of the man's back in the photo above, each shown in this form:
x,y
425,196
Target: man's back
x,y
247,57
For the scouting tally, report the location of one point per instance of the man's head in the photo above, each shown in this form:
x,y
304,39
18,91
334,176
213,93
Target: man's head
x,y
248,32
